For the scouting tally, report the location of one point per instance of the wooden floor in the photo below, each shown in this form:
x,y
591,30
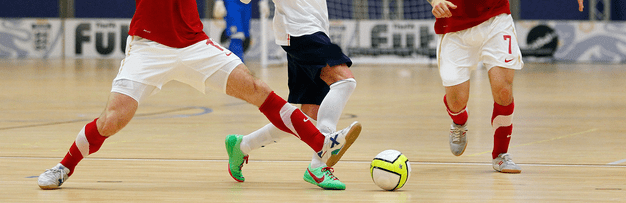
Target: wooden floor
x,y
568,137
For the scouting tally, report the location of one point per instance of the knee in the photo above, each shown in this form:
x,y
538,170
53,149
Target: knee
x,y
503,96
332,74
349,84
107,126
112,122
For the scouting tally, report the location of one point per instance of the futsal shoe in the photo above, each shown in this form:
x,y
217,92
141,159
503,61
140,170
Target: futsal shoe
x,y
503,163
337,143
458,138
236,158
53,178
323,177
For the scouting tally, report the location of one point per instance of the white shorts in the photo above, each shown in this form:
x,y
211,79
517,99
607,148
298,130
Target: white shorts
x,y
148,65
493,42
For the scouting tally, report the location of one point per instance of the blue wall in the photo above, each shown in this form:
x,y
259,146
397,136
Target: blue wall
x,y
29,8
529,9
565,10
104,9
113,9
83,9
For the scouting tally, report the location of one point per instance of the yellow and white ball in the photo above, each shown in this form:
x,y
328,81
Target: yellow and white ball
x,y
390,169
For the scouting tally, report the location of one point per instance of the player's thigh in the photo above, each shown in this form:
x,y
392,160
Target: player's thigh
x,y
146,62
456,58
501,48
205,65
133,89
305,84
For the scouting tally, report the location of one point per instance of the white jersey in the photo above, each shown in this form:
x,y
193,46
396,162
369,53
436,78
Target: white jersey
x,y
299,17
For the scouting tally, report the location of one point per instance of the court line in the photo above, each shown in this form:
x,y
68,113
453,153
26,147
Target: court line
x,y
307,161
541,141
155,115
617,162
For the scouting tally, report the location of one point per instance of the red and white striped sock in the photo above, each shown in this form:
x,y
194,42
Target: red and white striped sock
x,y
87,142
288,118
459,118
502,123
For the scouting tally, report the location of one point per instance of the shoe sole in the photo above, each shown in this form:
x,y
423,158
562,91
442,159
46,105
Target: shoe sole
x,y
510,171
465,147
52,187
350,138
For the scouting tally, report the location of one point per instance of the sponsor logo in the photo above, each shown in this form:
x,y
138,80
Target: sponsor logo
x,y
317,180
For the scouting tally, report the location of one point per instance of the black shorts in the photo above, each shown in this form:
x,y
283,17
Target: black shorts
x,y
306,56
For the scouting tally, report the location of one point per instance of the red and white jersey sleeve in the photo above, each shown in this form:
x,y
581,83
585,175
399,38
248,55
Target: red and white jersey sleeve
x,y
470,13
299,17
174,23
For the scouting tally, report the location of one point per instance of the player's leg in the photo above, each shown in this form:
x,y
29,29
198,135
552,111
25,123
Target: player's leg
x,y
119,111
121,107
456,60
503,107
322,84
502,118
241,84
455,100
342,84
502,57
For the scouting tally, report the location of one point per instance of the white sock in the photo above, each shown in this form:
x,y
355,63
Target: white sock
x,y
333,104
268,134
331,109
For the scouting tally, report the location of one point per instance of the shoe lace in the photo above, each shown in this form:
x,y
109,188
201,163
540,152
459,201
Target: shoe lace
x,y
245,161
457,134
51,174
329,171
507,159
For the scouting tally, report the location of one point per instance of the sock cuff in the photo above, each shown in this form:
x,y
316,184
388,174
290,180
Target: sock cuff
x,y
344,81
457,113
272,100
92,133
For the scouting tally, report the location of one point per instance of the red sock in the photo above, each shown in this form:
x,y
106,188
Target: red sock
x,y
502,123
459,118
87,142
288,118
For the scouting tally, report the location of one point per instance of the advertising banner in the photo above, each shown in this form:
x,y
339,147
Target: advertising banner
x,y
96,38
573,41
365,41
30,38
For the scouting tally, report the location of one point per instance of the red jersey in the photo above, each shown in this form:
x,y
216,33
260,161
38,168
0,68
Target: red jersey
x,y
470,13
174,23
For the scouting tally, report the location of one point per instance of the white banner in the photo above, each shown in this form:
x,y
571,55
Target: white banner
x,y
406,41
96,38
398,41
30,38
573,41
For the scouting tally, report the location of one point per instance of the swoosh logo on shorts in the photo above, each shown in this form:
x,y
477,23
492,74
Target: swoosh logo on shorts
x,y
508,60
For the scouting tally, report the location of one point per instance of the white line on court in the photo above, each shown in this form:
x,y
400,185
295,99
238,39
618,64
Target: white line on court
x,y
617,162
610,165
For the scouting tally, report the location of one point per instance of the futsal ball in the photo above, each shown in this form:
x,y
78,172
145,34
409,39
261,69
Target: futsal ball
x,y
390,170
